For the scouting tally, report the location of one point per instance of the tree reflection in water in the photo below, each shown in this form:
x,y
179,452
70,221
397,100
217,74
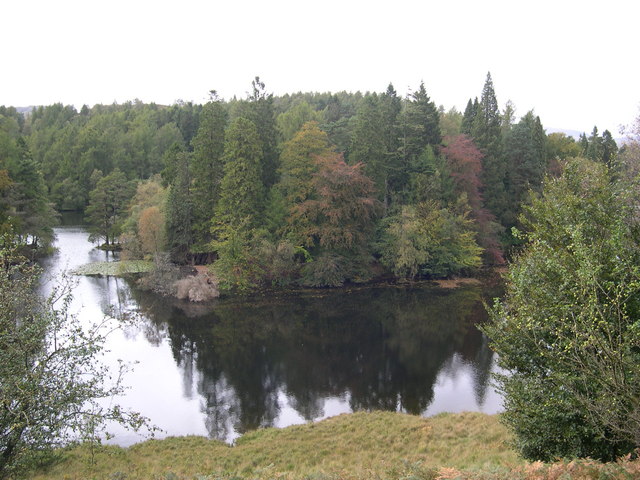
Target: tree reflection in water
x,y
375,347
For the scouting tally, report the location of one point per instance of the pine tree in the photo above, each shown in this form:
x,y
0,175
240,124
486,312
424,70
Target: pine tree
x,y
421,123
241,189
179,215
525,152
207,167
469,117
609,148
368,144
391,107
487,135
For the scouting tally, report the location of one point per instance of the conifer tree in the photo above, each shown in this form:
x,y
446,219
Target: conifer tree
x,y
179,215
469,117
241,189
207,167
487,135
421,123
368,144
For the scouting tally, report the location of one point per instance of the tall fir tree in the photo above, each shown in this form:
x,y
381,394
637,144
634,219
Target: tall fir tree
x,y
487,135
391,107
368,143
421,123
207,168
469,117
525,153
262,114
242,191
179,209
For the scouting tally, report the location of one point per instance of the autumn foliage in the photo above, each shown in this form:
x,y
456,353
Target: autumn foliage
x,y
342,210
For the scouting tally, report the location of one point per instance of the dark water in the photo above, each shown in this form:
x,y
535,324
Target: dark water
x,y
233,366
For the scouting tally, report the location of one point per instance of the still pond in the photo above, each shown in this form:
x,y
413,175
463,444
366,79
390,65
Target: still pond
x,y
231,366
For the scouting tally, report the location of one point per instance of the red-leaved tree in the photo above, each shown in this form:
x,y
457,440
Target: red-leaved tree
x,y
465,163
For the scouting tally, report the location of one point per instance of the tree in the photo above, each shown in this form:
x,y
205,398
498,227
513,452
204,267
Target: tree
x,y
421,126
337,221
292,120
465,164
261,113
108,202
567,331
487,135
609,148
429,240
242,192
207,168
368,144
179,210
51,382
297,167
525,153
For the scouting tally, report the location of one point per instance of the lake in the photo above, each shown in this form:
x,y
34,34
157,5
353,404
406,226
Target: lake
x,y
233,365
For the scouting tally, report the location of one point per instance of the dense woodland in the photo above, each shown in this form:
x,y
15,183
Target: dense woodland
x,y
316,189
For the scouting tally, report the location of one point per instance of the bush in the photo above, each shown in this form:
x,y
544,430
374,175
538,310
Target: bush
x,y
197,288
50,381
568,331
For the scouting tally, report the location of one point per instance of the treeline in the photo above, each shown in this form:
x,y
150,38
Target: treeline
x,y
307,188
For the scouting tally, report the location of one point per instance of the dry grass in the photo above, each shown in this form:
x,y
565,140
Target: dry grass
x,y
379,445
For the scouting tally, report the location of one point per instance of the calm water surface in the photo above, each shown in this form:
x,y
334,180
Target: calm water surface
x,y
232,366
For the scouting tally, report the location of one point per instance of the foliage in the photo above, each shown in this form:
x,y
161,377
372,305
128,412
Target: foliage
x,y
52,385
179,209
568,330
207,168
144,229
107,203
242,192
429,240
342,210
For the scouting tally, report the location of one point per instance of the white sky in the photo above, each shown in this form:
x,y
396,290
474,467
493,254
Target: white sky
x,y
575,62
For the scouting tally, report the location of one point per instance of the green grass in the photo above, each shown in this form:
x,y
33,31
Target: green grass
x,y
359,446
115,269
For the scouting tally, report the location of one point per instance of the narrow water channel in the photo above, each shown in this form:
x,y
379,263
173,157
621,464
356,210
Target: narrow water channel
x,y
224,368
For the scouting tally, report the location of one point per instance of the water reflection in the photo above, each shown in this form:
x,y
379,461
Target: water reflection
x,y
369,348
234,366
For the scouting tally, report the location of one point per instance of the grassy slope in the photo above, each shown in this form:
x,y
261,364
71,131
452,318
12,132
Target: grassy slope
x,y
376,445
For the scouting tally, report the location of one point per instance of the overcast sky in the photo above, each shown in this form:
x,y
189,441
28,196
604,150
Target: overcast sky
x,y
574,62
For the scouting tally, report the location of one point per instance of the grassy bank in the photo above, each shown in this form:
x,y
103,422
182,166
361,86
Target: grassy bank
x,y
378,445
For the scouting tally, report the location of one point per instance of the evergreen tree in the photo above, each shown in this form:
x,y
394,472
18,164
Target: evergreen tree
x,y
108,202
261,113
594,149
179,209
525,152
207,168
487,135
421,124
368,144
469,117
34,214
242,192
391,108
609,148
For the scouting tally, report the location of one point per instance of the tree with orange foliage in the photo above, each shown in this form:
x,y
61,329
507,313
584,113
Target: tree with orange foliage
x,y
339,219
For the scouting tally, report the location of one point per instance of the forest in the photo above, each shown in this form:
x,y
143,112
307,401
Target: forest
x,y
312,189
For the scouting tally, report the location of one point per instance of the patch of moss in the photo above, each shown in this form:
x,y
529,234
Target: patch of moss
x,y
114,269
